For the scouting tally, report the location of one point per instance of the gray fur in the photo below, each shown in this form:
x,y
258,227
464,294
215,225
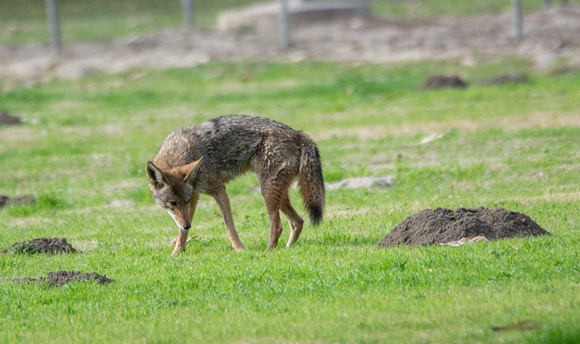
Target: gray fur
x,y
235,144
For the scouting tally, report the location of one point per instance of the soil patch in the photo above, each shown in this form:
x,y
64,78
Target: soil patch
x,y
443,81
506,79
6,118
429,227
41,245
60,278
6,201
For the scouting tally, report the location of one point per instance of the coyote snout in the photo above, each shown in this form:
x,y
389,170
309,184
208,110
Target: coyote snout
x,y
203,158
181,217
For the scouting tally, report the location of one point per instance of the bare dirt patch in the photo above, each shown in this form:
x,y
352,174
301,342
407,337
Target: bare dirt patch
x,y
6,118
541,120
40,245
60,278
430,227
548,36
6,201
444,81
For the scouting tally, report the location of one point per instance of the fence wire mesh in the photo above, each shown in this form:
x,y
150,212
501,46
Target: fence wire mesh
x,y
25,21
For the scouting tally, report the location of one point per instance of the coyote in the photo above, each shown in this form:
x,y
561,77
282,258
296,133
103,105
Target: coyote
x,y
201,159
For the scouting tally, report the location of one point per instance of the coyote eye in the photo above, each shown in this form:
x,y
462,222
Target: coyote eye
x,y
173,203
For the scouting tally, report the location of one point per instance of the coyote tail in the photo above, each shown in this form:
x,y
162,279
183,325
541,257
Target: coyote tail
x,y
311,182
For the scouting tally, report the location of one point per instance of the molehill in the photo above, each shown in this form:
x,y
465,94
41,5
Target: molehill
x,y
41,245
430,227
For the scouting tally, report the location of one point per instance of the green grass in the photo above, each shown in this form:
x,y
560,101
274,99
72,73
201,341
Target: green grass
x,y
432,9
85,144
24,21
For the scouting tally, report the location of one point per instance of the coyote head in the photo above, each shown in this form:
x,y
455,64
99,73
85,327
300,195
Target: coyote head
x,y
172,190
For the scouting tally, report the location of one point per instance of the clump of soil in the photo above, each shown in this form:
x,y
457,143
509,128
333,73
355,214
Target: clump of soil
x,y
429,227
6,118
60,278
6,201
41,245
443,81
507,79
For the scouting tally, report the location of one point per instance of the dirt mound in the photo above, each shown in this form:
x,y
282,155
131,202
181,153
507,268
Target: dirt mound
x,y
506,79
41,245
6,118
429,227
6,201
443,81
61,278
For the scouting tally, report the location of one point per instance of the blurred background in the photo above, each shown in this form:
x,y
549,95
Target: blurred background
x,y
25,21
106,36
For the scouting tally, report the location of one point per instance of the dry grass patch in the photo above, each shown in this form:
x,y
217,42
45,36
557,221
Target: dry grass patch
x,y
541,120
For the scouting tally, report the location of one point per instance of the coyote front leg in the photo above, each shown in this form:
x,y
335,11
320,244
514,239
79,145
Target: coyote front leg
x,y
221,197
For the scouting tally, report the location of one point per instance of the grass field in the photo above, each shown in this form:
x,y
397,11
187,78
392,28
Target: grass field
x,y
85,144
24,21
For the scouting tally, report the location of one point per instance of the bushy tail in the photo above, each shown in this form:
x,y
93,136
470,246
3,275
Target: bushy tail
x,y
311,182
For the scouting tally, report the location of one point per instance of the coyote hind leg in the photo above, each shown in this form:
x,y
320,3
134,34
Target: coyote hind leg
x,y
275,192
273,209
295,221
272,198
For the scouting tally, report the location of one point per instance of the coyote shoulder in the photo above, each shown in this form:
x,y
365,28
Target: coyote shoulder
x,y
201,159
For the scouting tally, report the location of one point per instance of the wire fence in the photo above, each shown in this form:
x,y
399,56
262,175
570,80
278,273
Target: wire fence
x,y
54,22
25,21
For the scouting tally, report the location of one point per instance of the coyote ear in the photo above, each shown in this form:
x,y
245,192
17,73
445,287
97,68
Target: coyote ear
x,y
156,177
190,171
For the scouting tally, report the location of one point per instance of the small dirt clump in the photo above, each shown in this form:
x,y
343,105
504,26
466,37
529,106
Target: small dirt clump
x,y
6,201
429,227
60,278
443,81
6,118
41,245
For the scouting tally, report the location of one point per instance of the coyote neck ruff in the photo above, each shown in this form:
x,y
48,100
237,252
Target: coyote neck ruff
x,y
203,158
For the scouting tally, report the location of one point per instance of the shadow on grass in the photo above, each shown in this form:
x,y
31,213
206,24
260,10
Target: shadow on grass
x,y
557,335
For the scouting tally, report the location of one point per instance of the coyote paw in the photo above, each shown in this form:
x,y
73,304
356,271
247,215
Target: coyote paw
x,y
239,247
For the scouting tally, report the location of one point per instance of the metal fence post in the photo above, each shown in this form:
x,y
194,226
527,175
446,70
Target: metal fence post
x,y
284,24
518,20
546,4
188,12
52,14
